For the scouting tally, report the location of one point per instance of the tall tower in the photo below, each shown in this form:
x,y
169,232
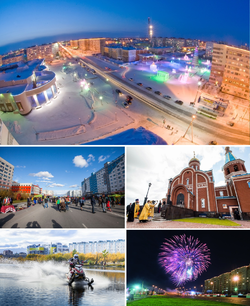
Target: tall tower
x,y
150,30
233,166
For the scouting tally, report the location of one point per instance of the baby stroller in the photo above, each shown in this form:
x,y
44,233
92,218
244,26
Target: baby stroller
x,y
63,206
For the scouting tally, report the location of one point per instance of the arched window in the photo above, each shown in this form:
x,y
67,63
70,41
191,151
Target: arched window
x,y
187,181
236,168
202,203
228,171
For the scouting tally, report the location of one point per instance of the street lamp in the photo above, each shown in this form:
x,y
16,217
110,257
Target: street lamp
x,y
100,97
236,279
190,125
146,198
199,84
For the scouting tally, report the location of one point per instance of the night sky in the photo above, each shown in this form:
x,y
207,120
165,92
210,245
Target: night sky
x,y
46,21
229,249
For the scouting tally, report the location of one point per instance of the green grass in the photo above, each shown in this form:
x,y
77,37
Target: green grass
x,y
209,221
176,301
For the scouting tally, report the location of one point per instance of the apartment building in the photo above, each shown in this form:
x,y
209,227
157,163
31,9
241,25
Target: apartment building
x,y
111,246
1,61
28,188
6,174
230,70
46,249
234,282
109,179
42,52
209,48
93,45
12,58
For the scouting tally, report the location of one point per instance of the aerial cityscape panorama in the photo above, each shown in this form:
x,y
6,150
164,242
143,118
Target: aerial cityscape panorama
x,y
124,153
111,79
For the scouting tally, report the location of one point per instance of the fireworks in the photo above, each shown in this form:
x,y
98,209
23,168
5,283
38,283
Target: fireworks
x,y
185,258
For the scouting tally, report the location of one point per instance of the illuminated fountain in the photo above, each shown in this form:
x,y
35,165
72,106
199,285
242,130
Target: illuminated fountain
x,y
184,77
186,57
153,67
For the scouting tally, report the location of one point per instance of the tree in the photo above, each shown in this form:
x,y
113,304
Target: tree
x,y
104,255
74,252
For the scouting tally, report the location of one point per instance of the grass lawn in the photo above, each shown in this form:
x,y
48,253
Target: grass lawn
x,y
176,301
209,221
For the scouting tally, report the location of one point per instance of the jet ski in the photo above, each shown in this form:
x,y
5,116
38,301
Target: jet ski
x,y
76,275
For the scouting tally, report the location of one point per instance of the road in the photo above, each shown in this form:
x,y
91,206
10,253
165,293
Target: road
x,y
38,217
232,300
180,114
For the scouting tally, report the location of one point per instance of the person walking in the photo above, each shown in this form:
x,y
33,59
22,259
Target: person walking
x,y
108,205
104,203
93,203
58,204
100,201
46,203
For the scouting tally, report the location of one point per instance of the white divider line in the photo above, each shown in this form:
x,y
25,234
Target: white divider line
x,y
84,225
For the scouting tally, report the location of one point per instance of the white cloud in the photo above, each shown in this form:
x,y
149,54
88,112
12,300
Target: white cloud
x,y
102,158
20,166
91,158
80,161
43,174
56,185
221,183
73,186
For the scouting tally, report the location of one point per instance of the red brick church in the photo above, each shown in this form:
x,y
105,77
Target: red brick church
x,y
194,189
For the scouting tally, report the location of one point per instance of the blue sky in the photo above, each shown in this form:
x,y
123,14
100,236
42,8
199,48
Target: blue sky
x,y
219,20
57,168
18,240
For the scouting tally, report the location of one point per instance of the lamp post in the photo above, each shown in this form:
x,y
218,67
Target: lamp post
x,y
236,279
191,124
199,84
146,198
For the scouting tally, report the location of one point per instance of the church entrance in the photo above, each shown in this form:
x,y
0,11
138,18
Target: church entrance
x,y
180,199
234,212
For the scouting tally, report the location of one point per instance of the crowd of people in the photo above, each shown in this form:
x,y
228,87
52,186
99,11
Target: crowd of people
x,y
5,201
143,213
62,203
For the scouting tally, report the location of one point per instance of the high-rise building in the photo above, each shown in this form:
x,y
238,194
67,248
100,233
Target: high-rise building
x,y
109,179
12,58
209,48
230,70
112,246
6,174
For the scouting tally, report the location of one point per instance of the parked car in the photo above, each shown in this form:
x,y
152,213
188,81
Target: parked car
x,y
230,123
139,84
109,69
131,79
158,92
179,102
129,98
166,97
125,104
119,92
149,88
94,72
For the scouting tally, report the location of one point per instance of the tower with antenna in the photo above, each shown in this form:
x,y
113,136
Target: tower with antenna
x,y
150,30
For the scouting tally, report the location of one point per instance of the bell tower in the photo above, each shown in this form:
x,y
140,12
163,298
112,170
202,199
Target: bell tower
x,y
233,166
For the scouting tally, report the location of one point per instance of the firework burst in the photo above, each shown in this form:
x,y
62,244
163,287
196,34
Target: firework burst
x,y
184,258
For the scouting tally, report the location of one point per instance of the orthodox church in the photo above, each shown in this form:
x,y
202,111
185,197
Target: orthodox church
x,y
194,189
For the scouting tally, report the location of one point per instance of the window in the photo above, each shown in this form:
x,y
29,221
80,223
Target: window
x,y
202,203
248,184
224,206
228,171
187,181
236,168
221,193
